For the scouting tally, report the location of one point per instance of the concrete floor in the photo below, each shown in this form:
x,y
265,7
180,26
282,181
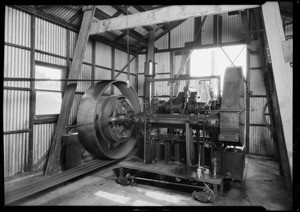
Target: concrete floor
x,y
262,186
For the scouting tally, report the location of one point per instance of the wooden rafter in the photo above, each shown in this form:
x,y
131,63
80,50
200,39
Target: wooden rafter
x,y
161,15
100,15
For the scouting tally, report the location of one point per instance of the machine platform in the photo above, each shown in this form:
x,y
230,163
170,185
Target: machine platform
x,y
171,169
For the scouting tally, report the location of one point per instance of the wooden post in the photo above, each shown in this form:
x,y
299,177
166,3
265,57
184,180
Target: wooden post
x,y
67,101
32,96
283,81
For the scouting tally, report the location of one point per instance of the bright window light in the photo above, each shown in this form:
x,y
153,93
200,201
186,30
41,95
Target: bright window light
x,y
213,61
48,93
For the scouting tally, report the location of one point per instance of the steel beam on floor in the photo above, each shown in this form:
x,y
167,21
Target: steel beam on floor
x,y
35,187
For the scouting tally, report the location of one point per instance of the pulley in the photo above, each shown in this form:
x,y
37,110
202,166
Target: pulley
x,y
113,135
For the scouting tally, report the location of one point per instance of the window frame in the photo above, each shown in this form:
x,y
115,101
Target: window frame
x,y
48,118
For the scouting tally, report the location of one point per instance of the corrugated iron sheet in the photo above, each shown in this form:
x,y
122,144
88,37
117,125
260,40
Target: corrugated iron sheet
x,y
142,60
42,136
74,109
15,110
207,30
103,74
132,10
88,52
103,55
63,11
50,59
141,82
261,142
73,40
256,110
15,147
182,33
86,73
120,59
50,37
16,64
109,10
133,68
163,42
257,85
232,28
163,62
17,27
141,30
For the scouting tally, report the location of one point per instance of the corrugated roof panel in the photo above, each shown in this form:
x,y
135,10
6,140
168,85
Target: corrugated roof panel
x,y
63,11
141,30
109,10
132,10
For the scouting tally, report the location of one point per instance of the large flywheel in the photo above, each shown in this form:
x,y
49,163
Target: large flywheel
x,y
106,127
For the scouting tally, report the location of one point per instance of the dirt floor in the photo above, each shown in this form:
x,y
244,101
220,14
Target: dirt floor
x,y
262,186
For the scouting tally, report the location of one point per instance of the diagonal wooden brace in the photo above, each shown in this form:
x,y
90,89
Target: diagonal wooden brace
x,y
52,164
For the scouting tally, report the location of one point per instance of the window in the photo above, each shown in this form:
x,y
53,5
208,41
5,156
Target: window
x,y
214,61
48,93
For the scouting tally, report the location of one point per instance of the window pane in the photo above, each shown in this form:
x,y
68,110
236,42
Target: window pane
x,y
48,102
42,72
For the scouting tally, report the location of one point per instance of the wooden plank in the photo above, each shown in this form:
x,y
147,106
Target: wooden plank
x,y
161,15
283,79
67,101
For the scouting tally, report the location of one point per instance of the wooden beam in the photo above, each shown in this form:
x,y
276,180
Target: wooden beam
x,y
125,12
67,101
99,14
162,15
283,80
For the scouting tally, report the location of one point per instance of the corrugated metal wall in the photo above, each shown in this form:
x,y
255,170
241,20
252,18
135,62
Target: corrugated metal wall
x,y
207,30
17,27
15,96
232,28
15,148
182,33
260,139
42,136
